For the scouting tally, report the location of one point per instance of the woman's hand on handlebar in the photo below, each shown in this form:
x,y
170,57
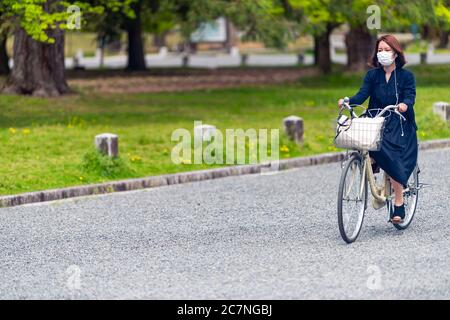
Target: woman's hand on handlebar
x,y
402,107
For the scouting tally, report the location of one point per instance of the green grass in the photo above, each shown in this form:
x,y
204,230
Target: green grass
x,y
48,143
417,47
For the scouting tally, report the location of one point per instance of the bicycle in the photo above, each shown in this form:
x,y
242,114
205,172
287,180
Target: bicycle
x,y
357,176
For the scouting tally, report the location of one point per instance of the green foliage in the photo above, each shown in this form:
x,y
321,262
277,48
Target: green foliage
x,y
38,17
402,14
259,20
272,21
314,15
96,163
160,18
442,11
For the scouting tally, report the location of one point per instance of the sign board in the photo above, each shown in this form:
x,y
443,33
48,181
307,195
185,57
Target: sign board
x,y
211,32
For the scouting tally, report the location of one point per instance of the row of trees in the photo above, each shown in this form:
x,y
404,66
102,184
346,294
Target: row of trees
x,y
321,17
39,26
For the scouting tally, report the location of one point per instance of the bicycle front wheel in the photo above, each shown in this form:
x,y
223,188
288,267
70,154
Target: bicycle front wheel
x,y
352,199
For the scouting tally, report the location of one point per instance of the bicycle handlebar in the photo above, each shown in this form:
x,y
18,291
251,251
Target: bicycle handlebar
x,y
387,108
347,106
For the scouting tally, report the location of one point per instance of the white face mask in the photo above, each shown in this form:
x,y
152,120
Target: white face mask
x,y
386,58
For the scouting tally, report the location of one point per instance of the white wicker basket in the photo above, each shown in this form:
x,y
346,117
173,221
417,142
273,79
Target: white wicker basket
x,y
359,133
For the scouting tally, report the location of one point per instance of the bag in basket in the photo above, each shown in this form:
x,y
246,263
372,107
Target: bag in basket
x,y
359,133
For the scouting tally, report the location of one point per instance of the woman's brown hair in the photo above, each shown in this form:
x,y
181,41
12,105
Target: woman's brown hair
x,y
392,41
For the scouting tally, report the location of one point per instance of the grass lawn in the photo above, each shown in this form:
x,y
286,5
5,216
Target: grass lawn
x,y
48,143
417,47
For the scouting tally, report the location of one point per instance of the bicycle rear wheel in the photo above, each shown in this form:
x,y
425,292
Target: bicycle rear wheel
x,y
352,199
410,199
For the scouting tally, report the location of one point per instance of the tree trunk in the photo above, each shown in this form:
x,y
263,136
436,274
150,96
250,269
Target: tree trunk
x,y
136,55
38,67
101,47
443,39
231,36
360,46
322,57
425,32
4,59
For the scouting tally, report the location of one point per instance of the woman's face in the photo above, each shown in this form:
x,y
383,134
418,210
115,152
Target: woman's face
x,y
383,46
386,55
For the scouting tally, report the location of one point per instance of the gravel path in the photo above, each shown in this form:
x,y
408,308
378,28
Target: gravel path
x,y
247,237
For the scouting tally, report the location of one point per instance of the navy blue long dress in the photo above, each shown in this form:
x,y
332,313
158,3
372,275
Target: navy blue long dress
x,y
398,153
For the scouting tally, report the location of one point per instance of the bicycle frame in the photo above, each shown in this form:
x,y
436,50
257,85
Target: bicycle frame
x,y
382,193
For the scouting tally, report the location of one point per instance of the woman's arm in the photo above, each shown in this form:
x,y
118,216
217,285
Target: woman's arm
x,y
409,93
365,91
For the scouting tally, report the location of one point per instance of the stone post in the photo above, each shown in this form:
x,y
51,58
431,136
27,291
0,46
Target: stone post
x,y
244,59
442,109
423,58
301,59
293,127
107,144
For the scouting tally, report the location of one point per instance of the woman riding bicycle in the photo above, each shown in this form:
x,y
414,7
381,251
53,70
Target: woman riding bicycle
x,y
389,84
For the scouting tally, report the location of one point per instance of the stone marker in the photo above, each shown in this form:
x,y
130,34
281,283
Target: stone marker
x,y
79,54
430,50
77,58
204,132
244,59
108,144
443,110
423,58
163,51
293,127
185,60
234,52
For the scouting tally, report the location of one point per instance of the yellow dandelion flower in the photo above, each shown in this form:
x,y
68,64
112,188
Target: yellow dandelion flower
x,y
332,148
284,149
12,130
26,131
186,161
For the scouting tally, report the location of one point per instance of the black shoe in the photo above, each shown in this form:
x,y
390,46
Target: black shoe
x,y
375,168
399,214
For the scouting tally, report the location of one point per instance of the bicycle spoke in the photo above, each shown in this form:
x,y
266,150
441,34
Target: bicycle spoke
x,y
352,180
